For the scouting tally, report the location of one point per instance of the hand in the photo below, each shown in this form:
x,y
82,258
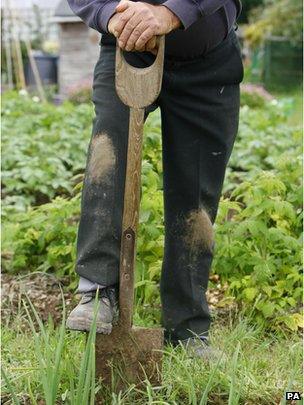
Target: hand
x,y
150,46
113,21
137,24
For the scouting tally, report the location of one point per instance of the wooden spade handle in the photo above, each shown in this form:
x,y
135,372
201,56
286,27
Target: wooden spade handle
x,y
137,88
130,217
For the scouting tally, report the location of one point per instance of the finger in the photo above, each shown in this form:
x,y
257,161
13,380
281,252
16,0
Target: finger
x,y
122,6
134,35
112,24
153,51
124,18
151,44
144,38
131,26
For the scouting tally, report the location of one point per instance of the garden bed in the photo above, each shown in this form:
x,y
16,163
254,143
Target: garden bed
x,y
255,291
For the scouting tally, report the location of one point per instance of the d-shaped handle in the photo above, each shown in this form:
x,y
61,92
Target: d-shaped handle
x,y
139,87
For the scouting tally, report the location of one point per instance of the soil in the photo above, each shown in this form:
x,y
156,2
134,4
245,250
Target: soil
x,y
42,289
44,292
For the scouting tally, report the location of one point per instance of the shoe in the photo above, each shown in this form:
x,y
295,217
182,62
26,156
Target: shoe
x,y
199,347
81,317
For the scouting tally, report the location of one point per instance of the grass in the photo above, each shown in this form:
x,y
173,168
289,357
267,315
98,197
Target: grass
x,y
48,347
54,363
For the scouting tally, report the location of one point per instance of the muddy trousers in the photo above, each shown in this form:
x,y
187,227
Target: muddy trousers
x,y
199,105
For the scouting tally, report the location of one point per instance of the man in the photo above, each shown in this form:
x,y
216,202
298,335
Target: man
x,y
199,103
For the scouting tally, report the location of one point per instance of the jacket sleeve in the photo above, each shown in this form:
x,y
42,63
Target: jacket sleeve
x,y
188,11
94,13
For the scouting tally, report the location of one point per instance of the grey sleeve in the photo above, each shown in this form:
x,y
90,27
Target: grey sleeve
x,y
188,11
94,13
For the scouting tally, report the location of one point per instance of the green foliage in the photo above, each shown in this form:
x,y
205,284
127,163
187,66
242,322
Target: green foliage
x,y
48,360
262,250
49,350
282,18
151,231
267,141
258,230
43,238
259,226
44,148
253,100
255,368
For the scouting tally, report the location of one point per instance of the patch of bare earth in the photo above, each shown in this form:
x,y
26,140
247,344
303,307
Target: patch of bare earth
x,y
43,290
219,303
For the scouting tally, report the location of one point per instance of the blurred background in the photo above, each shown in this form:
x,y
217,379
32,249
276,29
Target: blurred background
x,y
65,50
255,295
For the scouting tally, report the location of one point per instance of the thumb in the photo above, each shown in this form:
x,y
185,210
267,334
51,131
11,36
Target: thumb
x,y
122,6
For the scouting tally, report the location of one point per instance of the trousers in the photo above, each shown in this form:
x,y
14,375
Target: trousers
x,y
199,105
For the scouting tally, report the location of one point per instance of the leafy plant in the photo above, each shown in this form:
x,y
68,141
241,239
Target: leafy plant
x,y
266,141
271,20
44,148
261,246
258,229
43,238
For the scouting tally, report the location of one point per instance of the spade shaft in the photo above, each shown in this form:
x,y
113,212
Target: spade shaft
x,y
130,217
131,354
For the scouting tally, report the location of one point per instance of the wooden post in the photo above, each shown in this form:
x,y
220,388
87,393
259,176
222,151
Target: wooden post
x,y
35,70
17,49
8,55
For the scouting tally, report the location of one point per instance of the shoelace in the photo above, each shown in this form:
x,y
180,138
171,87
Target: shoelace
x,y
108,295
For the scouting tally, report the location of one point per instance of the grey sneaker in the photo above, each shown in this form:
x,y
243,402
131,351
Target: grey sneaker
x,y
198,347
82,315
